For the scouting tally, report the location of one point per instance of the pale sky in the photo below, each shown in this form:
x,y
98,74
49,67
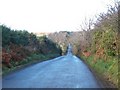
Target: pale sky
x,y
49,15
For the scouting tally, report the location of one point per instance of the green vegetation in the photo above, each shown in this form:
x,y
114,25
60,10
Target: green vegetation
x,y
32,59
21,48
106,70
104,46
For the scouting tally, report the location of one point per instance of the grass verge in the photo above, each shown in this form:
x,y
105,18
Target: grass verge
x,y
32,59
107,71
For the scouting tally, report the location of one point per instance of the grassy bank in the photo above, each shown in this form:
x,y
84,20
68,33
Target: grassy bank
x,y
32,59
106,70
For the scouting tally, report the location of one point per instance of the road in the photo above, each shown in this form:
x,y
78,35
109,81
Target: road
x,y
62,72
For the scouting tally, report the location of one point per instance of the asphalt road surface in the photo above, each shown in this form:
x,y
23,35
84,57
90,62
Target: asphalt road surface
x,y
63,72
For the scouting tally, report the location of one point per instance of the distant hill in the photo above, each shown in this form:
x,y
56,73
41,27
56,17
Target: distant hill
x,y
42,33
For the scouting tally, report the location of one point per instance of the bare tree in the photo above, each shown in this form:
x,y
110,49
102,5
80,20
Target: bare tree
x,y
87,24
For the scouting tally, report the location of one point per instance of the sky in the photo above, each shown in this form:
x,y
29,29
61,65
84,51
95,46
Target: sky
x,y
49,15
